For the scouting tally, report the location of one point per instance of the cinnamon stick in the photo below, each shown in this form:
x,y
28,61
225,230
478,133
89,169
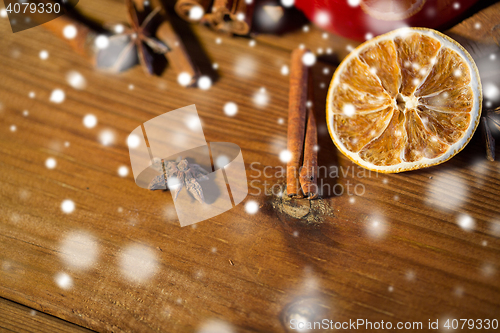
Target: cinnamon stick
x,y
220,10
230,16
183,8
177,57
296,120
241,17
309,171
82,43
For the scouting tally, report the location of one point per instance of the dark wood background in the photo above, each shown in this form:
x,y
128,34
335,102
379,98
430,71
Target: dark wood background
x,y
394,253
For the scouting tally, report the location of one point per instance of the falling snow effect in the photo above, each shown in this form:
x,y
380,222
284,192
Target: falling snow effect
x,y
285,156
138,263
50,163
57,96
64,281
287,3
261,97
491,91
123,171
193,123
68,206
184,79
230,109
251,207
90,121
196,13
133,141
322,18
79,250
119,28
348,110
204,83
76,80
107,137
446,191
101,42
222,161
285,70
465,222
69,31
245,66
44,55
215,326
308,59
376,228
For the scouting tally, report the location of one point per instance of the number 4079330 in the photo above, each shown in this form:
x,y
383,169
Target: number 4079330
x,y
31,7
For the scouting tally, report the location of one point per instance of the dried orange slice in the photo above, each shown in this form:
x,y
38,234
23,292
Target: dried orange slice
x,y
405,100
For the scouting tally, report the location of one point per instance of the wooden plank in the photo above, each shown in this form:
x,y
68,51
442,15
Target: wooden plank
x,y
246,272
15,317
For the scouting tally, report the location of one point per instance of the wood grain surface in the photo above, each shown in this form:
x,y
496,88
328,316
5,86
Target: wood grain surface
x,y
415,246
15,317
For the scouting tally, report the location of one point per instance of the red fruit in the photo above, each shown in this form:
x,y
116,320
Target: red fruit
x,y
363,19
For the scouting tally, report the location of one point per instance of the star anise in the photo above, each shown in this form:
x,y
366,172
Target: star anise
x,y
141,38
490,118
178,174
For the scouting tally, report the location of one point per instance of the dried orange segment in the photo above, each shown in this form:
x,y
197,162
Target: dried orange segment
x,y
403,101
357,74
450,71
415,57
450,100
356,131
420,143
386,149
346,98
449,127
382,59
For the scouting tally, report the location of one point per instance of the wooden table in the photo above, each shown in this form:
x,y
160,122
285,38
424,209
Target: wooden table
x,y
395,252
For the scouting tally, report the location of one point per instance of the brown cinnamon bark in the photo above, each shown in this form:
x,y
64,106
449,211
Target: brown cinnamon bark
x,y
309,171
177,57
82,42
241,26
230,16
296,120
183,8
220,9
